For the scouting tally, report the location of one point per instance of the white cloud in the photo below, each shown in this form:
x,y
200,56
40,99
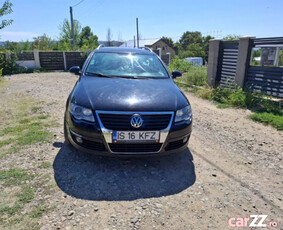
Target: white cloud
x,y
17,36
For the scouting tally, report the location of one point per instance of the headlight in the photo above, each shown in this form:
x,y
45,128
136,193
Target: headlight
x,y
81,113
184,114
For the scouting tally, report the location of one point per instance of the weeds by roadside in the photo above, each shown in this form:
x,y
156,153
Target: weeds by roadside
x,y
19,191
192,75
23,122
23,125
265,110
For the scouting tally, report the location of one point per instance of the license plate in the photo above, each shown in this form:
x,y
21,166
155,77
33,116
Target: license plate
x,y
135,136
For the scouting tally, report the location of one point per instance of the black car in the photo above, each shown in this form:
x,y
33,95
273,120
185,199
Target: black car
x,y
126,103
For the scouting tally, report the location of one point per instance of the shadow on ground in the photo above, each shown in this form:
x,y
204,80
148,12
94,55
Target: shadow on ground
x,y
91,177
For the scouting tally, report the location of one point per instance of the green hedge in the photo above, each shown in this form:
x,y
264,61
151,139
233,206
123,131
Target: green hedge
x,y
7,63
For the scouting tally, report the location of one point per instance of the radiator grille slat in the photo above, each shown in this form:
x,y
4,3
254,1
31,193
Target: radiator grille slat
x,y
122,122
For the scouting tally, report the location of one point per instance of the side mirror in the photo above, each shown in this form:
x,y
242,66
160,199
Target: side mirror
x,y
75,69
176,73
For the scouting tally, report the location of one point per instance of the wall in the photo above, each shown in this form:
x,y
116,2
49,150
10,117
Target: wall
x,y
51,60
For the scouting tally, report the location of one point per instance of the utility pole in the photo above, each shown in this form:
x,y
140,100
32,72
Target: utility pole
x,y
137,20
72,27
134,41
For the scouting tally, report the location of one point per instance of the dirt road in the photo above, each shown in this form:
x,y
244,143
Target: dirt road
x,y
232,168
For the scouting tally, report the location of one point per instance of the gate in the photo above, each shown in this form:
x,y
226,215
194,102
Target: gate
x,y
226,71
262,79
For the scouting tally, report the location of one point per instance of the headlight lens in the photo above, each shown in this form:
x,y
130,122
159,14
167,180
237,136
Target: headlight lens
x,y
81,113
184,114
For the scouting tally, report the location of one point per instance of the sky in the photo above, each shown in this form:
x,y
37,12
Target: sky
x,y
157,18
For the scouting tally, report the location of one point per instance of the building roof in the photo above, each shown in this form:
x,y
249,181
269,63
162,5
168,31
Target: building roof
x,y
142,43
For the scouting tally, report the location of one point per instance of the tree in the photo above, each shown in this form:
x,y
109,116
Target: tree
x,y
189,38
11,46
65,37
168,40
109,37
231,37
87,39
42,42
17,47
193,50
4,10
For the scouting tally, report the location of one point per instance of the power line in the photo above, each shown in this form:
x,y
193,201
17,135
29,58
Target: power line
x,y
90,9
78,3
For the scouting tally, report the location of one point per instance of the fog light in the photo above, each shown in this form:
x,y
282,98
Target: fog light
x,y
79,140
185,139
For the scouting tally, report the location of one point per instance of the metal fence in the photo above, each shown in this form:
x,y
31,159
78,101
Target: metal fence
x,y
228,63
51,60
261,79
231,63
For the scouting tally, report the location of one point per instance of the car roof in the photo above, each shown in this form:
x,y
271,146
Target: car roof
x,y
123,50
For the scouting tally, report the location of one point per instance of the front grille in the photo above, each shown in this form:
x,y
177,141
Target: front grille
x,y
135,148
123,121
93,145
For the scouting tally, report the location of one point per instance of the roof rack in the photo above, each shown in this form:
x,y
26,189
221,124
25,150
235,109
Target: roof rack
x,y
100,46
145,48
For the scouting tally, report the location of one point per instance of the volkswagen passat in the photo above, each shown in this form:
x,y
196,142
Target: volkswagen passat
x,y
126,103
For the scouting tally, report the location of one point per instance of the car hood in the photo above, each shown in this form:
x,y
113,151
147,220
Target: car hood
x,y
122,94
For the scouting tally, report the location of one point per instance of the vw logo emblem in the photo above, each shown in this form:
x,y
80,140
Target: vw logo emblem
x,y
136,121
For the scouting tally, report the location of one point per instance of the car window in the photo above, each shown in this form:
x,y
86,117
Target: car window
x,y
126,65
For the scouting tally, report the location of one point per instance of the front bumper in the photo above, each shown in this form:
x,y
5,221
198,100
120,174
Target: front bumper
x,y
92,139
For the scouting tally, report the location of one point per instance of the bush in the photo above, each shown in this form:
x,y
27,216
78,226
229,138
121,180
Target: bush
x,y
234,97
7,62
192,74
180,64
196,76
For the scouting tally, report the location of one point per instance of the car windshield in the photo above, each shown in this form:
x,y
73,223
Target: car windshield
x,y
126,65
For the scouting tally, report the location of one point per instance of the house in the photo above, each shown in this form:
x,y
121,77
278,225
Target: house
x,y
159,46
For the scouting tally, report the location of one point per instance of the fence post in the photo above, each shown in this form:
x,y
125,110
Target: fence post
x,y
65,62
36,58
244,53
213,59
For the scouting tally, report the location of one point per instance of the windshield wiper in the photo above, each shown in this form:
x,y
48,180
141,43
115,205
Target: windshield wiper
x,y
98,74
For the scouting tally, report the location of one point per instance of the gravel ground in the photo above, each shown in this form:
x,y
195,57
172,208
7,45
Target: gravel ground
x,y
231,168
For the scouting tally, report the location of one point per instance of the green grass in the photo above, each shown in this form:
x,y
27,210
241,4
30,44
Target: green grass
x,y
269,118
10,211
45,165
26,195
23,126
35,109
9,150
25,134
14,176
5,142
266,110
42,117
38,211
18,194
223,106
